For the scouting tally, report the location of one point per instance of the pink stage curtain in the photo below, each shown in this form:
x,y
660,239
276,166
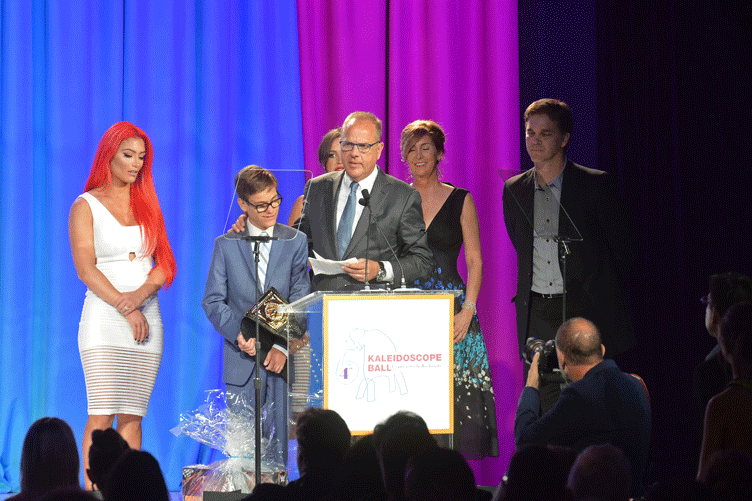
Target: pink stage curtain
x,y
452,62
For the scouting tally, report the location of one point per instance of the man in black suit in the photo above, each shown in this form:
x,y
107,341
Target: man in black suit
x,y
557,197
603,405
337,223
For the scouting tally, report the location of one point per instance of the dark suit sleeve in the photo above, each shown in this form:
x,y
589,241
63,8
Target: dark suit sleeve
x,y
300,284
510,207
303,223
215,296
616,226
561,425
414,254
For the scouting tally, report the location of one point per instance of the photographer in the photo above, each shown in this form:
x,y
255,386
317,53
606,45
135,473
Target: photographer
x,y
601,405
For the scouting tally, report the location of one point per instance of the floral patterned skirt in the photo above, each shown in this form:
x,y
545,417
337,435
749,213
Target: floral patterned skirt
x,y
475,432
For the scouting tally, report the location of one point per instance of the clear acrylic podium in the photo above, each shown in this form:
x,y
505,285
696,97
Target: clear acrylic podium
x,y
373,353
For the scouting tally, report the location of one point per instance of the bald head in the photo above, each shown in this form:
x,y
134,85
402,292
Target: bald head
x,y
579,341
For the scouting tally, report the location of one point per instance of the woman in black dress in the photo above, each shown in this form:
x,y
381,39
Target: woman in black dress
x,y
451,219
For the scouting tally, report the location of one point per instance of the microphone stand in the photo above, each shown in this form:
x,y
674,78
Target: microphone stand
x,y
564,243
257,378
403,285
564,252
366,203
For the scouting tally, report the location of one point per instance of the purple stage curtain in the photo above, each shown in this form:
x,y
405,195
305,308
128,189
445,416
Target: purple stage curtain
x,y
456,64
342,66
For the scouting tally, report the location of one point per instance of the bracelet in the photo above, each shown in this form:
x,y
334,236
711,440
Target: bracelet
x,y
469,305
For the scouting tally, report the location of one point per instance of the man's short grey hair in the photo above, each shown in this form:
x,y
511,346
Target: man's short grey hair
x,y
356,116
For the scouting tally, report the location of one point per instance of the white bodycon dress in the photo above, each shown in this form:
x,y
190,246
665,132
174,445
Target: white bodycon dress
x,y
119,372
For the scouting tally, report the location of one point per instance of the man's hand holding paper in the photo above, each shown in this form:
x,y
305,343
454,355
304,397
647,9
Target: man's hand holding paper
x,y
321,266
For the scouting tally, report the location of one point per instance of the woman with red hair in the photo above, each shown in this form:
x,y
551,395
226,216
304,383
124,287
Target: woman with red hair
x,y
121,252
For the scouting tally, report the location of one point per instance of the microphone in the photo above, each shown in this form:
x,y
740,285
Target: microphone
x,y
365,202
259,238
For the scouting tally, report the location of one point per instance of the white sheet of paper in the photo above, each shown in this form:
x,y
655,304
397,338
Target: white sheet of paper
x,y
321,266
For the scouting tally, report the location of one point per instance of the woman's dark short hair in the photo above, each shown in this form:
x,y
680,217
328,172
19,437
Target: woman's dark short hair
x,y
415,131
136,476
736,333
399,418
728,288
253,179
397,440
49,458
360,473
106,448
439,475
323,439
535,472
326,145
69,493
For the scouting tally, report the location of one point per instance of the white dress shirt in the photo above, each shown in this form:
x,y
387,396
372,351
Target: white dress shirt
x,y
344,192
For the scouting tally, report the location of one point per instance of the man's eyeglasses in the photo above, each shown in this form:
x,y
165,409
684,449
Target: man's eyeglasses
x,y
362,147
705,300
264,206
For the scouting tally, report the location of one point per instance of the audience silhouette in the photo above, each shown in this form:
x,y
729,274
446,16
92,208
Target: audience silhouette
x,y
107,446
360,477
49,459
439,475
401,460
728,417
323,440
729,475
600,472
398,439
136,476
69,494
535,473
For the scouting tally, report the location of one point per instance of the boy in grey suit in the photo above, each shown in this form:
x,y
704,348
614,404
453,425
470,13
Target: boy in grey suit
x,y
231,291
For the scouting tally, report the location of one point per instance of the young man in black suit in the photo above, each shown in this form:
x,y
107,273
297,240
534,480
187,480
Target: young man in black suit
x,y
557,197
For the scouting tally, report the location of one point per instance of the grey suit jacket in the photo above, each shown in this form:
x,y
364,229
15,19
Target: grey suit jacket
x,y
395,209
231,290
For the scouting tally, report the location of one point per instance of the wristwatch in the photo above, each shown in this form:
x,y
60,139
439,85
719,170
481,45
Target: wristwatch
x,y
381,275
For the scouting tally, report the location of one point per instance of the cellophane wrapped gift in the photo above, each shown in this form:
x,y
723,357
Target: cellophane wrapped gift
x,y
230,430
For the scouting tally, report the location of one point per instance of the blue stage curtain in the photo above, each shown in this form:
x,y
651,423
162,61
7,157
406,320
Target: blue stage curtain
x,y
216,86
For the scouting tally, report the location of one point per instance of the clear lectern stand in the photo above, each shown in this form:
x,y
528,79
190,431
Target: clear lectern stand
x,y
373,353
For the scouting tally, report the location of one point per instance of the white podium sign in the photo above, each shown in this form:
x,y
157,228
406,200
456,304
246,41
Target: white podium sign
x,y
385,353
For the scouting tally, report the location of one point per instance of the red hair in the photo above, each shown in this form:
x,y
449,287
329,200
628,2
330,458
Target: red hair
x,y
144,202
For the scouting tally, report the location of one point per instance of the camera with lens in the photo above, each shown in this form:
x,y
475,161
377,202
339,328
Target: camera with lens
x,y
548,361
